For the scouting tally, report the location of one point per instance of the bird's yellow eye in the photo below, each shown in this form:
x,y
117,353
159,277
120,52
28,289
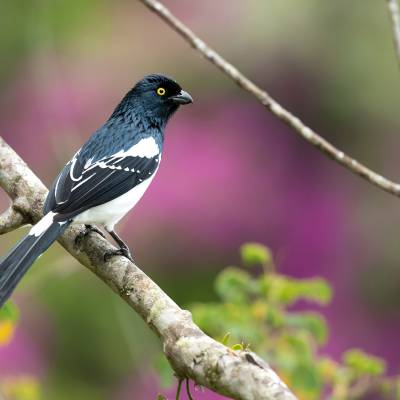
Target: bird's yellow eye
x,y
161,91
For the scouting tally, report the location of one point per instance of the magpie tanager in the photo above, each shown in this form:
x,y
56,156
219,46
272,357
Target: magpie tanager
x,y
105,178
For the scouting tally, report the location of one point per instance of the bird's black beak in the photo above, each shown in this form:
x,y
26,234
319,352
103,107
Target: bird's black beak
x,y
182,98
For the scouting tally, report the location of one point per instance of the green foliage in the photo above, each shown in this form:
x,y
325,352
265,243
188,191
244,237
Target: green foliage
x,y
46,22
9,312
287,291
255,254
164,370
363,364
225,339
23,387
233,285
256,311
8,319
309,322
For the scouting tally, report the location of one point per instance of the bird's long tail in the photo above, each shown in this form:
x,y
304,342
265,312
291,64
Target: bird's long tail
x,y
23,255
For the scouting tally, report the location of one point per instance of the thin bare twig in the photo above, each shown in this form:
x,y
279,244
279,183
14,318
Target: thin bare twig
x,y
394,12
191,353
272,105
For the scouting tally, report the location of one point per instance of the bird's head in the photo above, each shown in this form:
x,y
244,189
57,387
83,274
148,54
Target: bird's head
x,y
157,97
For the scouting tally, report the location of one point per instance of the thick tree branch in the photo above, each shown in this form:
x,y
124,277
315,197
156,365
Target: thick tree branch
x,y
192,354
272,105
395,18
11,219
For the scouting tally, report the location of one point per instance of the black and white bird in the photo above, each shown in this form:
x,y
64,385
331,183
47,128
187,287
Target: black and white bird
x,y
105,178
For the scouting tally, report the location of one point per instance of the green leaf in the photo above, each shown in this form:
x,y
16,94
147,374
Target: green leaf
x,y
328,369
287,291
9,312
225,339
8,319
363,363
237,346
307,381
316,289
275,317
22,388
161,397
398,389
216,319
299,343
255,254
311,322
233,285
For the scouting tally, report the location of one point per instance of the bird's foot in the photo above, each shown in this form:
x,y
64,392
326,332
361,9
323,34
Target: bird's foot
x,y
120,252
88,229
93,228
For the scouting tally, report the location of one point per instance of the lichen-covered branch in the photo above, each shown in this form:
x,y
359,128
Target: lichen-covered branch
x,y
11,219
272,105
394,13
191,353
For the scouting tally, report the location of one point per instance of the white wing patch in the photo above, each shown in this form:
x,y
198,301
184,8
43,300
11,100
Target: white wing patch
x,y
145,148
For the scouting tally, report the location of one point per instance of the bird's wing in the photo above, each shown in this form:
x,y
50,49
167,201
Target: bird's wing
x,y
84,184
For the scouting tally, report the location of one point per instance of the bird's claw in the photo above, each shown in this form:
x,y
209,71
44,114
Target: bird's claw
x,y
93,228
88,229
120,252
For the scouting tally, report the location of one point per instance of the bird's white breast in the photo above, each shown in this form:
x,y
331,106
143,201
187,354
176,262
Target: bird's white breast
x,y
108,214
